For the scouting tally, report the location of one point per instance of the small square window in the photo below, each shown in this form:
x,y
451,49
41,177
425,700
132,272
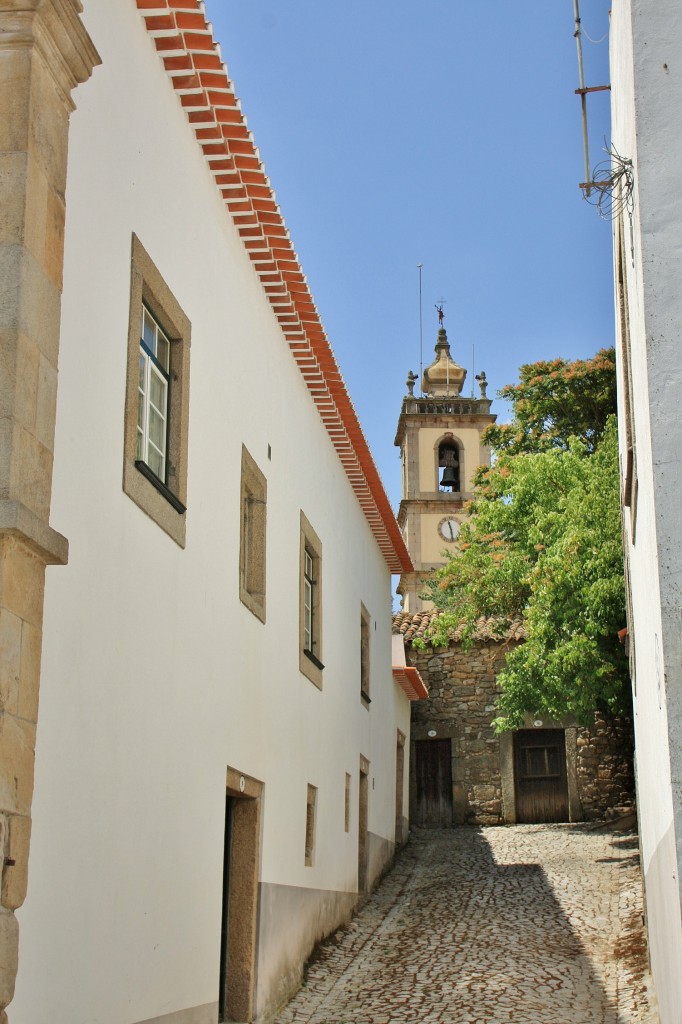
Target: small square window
x,y
253,506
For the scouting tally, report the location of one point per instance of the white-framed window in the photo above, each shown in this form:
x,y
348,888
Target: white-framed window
x,y
308,601
152,396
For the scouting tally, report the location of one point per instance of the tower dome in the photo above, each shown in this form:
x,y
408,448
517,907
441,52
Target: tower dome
x,y
444,376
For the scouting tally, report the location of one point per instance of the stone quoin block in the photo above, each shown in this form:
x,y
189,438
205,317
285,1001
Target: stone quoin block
x,y
17,742
15,876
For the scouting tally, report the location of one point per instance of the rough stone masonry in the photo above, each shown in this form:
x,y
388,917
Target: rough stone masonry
x,y
462,705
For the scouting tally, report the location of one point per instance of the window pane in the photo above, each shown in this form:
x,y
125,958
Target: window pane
x,y
148,331
140,445
155,462
163,350
157,392
157,430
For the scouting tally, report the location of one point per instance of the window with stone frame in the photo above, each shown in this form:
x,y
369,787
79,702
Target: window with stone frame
x,y
310,630
365,623
311,807
253,512
157,398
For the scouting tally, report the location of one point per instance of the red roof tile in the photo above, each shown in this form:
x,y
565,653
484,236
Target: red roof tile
x,y
418,626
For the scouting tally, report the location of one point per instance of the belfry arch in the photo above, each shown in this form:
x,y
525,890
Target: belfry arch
x,y
449,455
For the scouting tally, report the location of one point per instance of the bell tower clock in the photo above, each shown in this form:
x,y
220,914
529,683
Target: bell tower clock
x,y
439,436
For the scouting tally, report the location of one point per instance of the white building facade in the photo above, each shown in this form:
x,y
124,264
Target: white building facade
x,y
646,83
220,759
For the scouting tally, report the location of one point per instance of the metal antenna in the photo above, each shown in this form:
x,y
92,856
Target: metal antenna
x,y
421,332
583,93
473,369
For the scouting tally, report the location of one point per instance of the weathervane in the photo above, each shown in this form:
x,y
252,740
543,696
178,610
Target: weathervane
x,y
440,311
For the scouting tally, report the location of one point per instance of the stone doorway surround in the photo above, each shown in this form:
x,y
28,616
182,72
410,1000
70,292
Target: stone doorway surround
x,y
45,52
363,826
575,810
245,794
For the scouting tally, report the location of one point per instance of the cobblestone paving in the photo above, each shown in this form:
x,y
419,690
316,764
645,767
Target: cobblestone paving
x,y
531,924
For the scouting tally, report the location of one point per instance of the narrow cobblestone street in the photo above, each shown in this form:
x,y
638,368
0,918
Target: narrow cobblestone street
x,y
531,924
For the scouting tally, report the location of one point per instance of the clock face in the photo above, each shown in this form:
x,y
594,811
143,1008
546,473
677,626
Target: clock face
x,y
449,529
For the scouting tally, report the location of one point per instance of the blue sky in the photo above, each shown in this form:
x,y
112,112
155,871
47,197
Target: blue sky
x,y
434,132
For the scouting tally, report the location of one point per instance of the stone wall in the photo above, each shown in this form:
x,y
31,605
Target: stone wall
x,y
606,781
461,706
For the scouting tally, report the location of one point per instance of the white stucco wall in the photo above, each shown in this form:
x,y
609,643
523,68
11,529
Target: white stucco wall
x,y
155,677
646,77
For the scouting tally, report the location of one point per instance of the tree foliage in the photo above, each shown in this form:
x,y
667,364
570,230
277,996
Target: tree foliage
x,y
544,542
554,401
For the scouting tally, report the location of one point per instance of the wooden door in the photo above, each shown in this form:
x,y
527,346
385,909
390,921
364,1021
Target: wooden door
x,y
540,780
434,782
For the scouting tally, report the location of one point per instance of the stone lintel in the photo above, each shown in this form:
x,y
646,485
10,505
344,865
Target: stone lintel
x,y
18,521
55,29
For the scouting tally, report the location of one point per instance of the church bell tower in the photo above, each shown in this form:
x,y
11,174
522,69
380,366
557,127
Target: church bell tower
x,y
439,436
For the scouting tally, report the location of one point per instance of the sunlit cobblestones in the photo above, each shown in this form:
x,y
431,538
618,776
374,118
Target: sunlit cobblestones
x,y
530,924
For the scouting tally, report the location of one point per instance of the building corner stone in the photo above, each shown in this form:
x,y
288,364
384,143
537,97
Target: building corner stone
x,y
45,51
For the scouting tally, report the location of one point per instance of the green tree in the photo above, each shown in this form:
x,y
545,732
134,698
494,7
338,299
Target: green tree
x,y
554,401
544,542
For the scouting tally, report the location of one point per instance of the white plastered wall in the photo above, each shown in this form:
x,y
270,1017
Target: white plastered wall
x,y
155,677
646,76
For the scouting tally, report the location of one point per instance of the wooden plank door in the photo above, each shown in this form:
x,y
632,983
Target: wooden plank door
x,y
540,780
434,782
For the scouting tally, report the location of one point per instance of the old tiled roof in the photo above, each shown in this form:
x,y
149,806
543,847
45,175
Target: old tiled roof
x,y
418,626
184,41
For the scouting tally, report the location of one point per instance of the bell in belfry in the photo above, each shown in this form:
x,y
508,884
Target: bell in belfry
x,y
450,462
450,478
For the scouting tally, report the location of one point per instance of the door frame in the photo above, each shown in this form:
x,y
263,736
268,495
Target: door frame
x,y
575,811
363,826
241,876
421,744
